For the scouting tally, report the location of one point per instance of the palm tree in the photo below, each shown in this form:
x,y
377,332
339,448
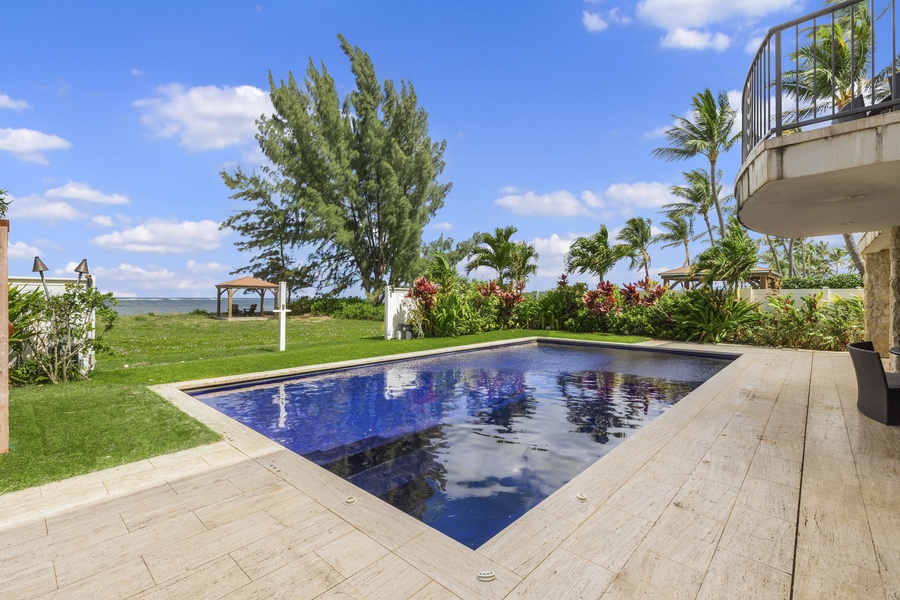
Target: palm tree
x,y
593,254
708,132
730,259
678,231
695,198
523,263
513,261
829,70
837,258
635,238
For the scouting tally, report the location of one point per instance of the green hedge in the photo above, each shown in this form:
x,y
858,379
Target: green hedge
x,y
837,282
340,308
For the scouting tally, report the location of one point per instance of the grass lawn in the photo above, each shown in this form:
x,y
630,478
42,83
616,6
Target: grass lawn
x,y
65,430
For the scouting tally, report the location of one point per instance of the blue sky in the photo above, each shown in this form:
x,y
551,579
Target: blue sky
x,y
117,117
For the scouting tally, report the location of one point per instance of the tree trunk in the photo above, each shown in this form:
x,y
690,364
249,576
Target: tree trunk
x,y
790,253
687,254
855,256
803,256
774,253
715,196
712,240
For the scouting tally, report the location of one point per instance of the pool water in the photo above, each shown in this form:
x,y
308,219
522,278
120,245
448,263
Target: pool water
x,y
470,441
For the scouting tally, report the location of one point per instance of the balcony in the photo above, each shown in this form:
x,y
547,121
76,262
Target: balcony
x,y
821,127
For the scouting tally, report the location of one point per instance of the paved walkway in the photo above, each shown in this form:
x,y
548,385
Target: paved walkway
x,y
764,483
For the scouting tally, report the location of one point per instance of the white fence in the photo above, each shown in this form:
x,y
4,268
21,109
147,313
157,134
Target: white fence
x,y
797,296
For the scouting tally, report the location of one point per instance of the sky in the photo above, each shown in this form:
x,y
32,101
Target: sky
x,y
116,118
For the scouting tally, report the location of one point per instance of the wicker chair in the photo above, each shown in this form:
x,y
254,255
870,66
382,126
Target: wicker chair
x,y
878,395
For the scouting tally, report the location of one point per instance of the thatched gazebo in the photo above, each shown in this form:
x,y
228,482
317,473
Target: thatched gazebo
x,y
243,283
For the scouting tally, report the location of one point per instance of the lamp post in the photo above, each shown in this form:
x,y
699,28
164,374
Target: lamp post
x,y
40,267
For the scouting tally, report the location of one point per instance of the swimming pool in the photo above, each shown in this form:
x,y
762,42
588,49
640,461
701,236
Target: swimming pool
x,y
468,442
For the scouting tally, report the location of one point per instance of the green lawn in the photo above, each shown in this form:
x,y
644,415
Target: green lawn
x,y
65,430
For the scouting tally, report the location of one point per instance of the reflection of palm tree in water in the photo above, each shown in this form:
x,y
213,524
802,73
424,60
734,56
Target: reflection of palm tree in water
x,y
499,397
603,404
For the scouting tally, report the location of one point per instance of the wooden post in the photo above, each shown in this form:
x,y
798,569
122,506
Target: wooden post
x,y
4,337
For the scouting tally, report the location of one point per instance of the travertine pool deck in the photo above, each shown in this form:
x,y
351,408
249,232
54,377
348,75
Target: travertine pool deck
x,y
763,483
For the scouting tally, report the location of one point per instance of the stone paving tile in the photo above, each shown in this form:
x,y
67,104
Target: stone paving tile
x,y
707,502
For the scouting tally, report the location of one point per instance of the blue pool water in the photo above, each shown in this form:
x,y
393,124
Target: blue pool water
x,y
468,442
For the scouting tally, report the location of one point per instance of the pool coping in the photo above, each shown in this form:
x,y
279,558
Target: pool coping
x,y
450,563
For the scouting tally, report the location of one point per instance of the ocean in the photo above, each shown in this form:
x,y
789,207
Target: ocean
x,y
142,306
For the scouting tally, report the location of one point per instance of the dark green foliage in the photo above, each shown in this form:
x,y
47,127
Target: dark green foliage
x,y
836,282
813,324
714,316
355,180
64,330
340,308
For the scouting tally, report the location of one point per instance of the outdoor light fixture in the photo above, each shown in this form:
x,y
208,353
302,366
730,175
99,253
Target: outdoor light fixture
x,y
40,267
82,268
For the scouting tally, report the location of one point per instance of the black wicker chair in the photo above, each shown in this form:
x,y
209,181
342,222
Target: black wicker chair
x,y
878,395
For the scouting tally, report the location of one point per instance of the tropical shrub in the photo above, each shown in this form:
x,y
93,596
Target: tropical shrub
x,y
714,315
815,325
67,328
339,308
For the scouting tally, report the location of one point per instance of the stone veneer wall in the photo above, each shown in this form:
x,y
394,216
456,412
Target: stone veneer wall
x,y
878,299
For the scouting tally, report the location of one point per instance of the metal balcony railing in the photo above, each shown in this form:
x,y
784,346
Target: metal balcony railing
x,y
822,67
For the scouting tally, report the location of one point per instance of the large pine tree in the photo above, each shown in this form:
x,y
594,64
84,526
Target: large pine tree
x,y
362,172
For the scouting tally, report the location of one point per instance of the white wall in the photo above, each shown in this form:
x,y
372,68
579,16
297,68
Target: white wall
x,y
57,285
396,309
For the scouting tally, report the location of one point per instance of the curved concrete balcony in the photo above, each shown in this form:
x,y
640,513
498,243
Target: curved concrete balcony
x,y
842,178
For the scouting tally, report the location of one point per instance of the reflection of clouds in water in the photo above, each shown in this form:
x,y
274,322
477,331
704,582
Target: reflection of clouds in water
x,y
281,400
397,382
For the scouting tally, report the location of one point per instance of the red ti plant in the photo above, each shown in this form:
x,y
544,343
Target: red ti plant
x,y
563,281
508,299
424,292
652,294
602,300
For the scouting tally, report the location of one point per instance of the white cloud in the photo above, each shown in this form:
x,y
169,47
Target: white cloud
x,y
205,117
552,254
670,14
752,45
7,102
22,250
136,72
74,190
102,221
509,189
593,22
29,145
592,199
556,204
193,279
210,268
658,132
36,207
640,195
442,226
692,39
159,236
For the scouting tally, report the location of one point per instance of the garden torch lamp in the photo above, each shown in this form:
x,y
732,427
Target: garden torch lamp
x,y
40,267
82,269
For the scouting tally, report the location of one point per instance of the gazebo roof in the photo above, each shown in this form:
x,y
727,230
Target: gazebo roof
x,y
684,272
249,283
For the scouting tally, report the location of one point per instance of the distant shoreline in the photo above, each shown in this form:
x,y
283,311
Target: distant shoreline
x,y
169,304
